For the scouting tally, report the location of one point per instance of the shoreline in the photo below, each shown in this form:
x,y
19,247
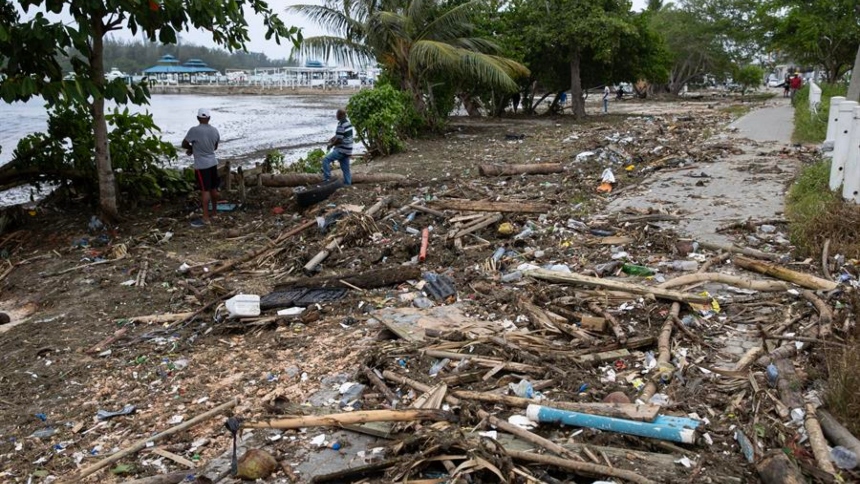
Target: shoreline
x,y
217,90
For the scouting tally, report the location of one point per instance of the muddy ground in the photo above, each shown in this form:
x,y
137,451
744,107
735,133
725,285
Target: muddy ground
x,y
68,286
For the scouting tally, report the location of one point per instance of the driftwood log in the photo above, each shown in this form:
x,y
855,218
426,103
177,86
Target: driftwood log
x,y
299,179
364,280
804,280
351,418
533,169
491,206
140,444
837,434
658,292
739,250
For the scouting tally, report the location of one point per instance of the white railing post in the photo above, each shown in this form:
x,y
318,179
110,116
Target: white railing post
x,y
851,187
835,101
814,97
840,144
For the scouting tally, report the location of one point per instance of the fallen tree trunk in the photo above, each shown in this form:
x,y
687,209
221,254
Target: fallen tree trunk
x,y
533,169
804,280
658,292
351,418
299,179
364,280
492,206
628,411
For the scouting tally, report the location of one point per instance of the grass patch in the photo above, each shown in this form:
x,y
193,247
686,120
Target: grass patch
x,y
736,110
816,214
811,127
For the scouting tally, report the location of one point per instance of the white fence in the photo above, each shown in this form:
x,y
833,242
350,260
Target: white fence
x,y
814,97
843,134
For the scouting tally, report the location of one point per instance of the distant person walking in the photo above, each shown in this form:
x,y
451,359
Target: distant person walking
x,y
341,149
201,142
606,94
786,86
796,84
515,101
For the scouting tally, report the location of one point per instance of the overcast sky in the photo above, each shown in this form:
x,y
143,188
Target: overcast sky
x,y
257,32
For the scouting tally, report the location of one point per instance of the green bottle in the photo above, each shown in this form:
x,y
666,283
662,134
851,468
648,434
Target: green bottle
x,y
635,270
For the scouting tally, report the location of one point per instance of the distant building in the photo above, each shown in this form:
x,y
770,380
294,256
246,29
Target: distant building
x,y
168,70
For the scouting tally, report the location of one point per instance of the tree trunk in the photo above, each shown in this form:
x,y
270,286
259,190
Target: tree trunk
x,y
854,86
577,104
107,182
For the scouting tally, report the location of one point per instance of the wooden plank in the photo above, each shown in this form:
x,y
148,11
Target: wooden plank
x,y
492,206
553,276
604,356
175,458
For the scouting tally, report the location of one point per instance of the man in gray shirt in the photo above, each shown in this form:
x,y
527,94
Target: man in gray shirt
x,y
202,141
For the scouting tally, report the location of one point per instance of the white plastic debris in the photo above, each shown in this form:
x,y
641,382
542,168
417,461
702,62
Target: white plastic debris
x,y
521,421
294,311
319,440
607,176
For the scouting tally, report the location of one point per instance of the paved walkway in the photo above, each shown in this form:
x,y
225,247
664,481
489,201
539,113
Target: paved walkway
x,y
750,185
738,187
773,123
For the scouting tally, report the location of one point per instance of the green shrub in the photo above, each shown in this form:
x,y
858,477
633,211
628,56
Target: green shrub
x,y
65,154
275,162
382,117
311,163
811,127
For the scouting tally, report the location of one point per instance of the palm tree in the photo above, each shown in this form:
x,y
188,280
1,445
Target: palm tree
x,y
418,42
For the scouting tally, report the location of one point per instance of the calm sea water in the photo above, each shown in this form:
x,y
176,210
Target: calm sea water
x,y
249,125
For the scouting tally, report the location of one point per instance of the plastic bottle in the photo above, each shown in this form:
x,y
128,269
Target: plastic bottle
x,y
772,374
635,270
512,276
438,366
683,265
843,458
497,255
523,389
528,231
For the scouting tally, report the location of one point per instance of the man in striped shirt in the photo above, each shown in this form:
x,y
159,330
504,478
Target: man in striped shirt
x,y
342,144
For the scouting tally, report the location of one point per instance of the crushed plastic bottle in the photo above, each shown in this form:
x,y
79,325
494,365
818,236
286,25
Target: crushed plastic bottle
x,y
438,366
523,389
527,232
497,255
682,265
650,361
772,374
843,458
512,276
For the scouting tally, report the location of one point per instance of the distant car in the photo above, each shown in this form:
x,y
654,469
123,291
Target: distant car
x,y
774,82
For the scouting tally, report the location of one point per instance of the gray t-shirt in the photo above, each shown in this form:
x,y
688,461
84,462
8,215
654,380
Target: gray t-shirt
x,y
204,138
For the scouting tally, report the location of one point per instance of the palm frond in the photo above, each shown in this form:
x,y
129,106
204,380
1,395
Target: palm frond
x,y
485,69
477,44
338,49
334,21
450,25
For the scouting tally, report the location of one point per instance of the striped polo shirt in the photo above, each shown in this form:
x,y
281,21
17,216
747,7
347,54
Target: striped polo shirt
x,y
344,134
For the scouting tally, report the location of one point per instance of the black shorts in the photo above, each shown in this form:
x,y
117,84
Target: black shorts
x,y
207,179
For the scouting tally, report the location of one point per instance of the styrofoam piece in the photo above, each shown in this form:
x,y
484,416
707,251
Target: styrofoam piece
x,y
243,305
840,146
835,101
851,183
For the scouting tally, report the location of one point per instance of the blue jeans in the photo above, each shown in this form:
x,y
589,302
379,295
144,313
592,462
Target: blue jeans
x,y
606,105
335,155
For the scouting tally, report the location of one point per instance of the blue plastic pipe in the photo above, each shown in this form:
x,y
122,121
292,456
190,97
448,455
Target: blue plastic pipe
x,y
675,429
